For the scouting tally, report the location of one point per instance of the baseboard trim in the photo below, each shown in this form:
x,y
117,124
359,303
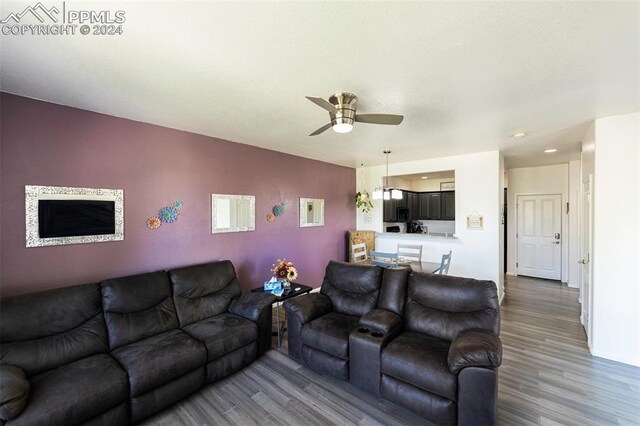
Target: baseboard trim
x,y
511,274
613,358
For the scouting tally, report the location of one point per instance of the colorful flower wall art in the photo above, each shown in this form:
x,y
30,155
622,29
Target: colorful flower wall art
x,y
276,211
166,215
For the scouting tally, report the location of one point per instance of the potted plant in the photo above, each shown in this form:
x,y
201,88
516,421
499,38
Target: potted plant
x,y
363,201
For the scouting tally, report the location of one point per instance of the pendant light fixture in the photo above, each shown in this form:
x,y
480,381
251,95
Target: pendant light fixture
x,y
386,192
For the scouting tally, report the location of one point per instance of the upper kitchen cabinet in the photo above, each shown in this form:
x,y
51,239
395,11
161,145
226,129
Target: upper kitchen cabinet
x,y
413,203
389,210
430,205
435,206
448,205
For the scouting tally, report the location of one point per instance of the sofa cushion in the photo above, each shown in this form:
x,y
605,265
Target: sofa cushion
x,y
159,359
14,391
75,392
203,291
420,361
393,292
137,307
443,306
45,330
353,289
330,333
223,333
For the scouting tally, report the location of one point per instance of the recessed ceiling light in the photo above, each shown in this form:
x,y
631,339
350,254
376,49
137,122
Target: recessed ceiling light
x,y
549,151
519,135
425,177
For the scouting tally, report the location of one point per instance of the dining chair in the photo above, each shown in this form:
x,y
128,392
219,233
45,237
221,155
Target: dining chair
x,y
444,264
386,260
410,252
359,253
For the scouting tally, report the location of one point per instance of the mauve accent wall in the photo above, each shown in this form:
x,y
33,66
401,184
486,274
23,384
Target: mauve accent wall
x,y
47,144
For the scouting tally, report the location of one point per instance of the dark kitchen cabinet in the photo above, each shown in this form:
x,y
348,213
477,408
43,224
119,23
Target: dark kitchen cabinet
x,y
423,205
435,206
389,211
430,205
449,205
413,203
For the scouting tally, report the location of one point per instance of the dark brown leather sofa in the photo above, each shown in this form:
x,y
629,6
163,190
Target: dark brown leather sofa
x,y
116,352
426,342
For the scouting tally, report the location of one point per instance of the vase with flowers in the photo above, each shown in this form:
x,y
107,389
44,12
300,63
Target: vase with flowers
x,y
284,271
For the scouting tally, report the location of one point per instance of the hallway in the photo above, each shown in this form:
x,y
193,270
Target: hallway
x,y
547,374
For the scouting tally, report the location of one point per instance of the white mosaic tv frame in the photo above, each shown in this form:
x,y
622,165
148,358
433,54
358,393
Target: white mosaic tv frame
x,y
34,193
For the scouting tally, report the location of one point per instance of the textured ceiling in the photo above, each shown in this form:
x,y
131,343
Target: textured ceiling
x,y
465,74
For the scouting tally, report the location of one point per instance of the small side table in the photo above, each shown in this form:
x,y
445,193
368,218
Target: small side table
x,y
293,292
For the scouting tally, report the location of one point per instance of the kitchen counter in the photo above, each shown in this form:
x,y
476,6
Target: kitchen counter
x,y
442,235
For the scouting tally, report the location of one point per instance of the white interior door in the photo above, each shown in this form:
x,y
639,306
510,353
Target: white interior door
x,y
585,252
539,236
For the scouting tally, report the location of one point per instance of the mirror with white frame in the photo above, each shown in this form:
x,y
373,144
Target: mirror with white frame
x,y
311,212
232,213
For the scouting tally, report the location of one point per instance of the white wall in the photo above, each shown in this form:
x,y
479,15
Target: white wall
x,y
537,180
476,254
575,188
501,219
426,185
616,251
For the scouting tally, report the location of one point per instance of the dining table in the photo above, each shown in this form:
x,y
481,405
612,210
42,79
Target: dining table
x,y
431,267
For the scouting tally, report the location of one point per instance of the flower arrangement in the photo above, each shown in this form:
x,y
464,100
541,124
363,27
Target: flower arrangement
x,y
284,270
363,201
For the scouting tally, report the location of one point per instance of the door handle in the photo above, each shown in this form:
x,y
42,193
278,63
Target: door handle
x,y
582,262
555,242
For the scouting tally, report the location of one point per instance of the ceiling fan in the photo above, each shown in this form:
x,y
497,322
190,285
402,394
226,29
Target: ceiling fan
x,y
342,111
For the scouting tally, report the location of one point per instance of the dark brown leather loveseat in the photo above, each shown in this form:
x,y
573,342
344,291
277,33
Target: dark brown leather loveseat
x,y
427,342
116,352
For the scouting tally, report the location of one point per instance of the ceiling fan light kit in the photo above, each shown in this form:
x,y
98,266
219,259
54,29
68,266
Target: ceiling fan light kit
x,y
342,113
342,127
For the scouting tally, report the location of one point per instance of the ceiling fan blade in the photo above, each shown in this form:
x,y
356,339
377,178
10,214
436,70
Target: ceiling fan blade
x,y
321,129
323,104
380,118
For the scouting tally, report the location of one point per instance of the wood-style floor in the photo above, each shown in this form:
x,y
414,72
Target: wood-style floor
x,y
547,377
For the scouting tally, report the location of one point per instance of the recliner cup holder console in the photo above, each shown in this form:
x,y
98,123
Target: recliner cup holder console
x,y
365,330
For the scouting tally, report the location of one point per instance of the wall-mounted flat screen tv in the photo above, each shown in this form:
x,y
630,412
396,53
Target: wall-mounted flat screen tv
x,y
73,218
61,215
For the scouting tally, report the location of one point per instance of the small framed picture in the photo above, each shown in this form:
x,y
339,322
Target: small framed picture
x,y
447,186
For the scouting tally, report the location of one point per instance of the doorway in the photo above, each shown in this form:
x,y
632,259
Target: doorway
x,y
539,231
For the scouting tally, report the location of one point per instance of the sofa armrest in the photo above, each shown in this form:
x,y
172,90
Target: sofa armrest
x,y
14,391
308,307
475,349
381,320
250,305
